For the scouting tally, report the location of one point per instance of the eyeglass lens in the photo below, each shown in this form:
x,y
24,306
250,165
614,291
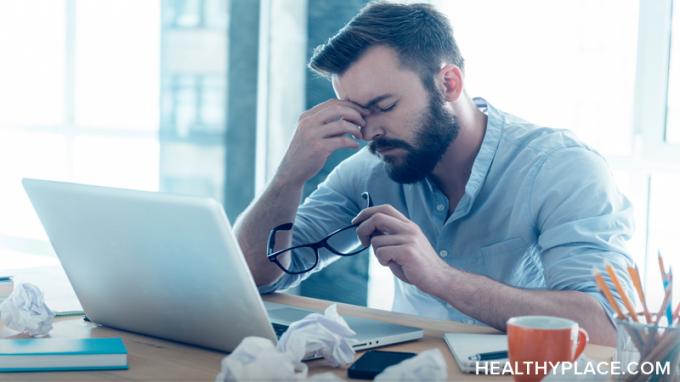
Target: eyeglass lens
x,y
345,242
302,260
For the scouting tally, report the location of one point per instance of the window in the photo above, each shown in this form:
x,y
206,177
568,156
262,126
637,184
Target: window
x,y
657,154
193,73
563,64
673,116
125,94
79,101
32,67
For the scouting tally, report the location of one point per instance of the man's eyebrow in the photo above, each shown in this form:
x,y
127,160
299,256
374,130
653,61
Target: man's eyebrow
x,y
374,101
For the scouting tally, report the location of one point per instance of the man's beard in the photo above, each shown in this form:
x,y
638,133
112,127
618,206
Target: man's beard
x,y
437,129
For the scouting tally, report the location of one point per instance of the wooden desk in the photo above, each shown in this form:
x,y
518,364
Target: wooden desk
x,y
152,359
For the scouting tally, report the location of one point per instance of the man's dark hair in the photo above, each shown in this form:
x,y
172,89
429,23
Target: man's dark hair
x,y
421,36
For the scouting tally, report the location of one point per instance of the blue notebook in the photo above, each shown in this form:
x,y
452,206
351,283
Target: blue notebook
x,y
58,354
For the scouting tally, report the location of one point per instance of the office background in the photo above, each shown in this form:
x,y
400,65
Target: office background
x,y
201,97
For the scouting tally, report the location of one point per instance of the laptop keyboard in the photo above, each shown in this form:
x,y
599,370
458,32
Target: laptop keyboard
x,y
279,329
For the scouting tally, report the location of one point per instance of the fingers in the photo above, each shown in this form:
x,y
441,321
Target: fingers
x,y
345,122
315,109
341,127
384,209
335,105
390,254
336,111
329,126
388,257
379,222
318,107
378,241
341,142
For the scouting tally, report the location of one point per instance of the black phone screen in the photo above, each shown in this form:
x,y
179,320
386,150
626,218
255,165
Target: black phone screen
x,y
373,362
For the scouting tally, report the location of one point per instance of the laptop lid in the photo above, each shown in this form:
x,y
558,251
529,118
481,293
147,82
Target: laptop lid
x,y
158,264
166,265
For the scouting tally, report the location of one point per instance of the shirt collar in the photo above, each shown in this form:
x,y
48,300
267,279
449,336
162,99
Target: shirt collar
x,y
483,160
487,151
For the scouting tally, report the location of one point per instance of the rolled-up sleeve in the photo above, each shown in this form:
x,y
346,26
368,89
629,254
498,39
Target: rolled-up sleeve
x,y
583,222
334,203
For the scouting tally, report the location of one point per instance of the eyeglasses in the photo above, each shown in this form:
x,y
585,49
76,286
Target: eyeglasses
x,y
341,242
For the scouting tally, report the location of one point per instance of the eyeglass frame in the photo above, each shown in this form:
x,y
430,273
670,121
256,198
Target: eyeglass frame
x,y
323,243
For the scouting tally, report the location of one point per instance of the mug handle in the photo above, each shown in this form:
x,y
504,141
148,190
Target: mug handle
x,y
581,344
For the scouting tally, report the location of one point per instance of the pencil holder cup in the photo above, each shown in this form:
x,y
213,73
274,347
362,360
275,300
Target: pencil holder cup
x,y
646,352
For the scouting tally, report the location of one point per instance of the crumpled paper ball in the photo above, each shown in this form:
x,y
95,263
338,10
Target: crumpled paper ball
x,y
256,359
325,335
25,311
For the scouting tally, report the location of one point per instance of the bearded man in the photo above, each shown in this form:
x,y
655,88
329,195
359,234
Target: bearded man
x,y
480,215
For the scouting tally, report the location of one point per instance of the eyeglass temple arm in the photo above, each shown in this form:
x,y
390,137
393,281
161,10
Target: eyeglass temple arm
x,y
271,242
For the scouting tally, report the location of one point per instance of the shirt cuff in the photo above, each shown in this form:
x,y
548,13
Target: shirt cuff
x,y
284,282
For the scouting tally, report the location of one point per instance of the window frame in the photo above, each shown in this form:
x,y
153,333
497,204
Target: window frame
x,y
651,153
652,83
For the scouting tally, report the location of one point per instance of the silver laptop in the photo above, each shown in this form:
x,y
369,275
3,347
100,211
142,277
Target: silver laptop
x,y
167,266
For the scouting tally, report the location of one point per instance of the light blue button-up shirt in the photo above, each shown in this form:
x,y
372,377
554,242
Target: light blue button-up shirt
x,y
540,210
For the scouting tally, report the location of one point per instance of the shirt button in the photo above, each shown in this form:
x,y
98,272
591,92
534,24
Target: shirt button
x,y
440,207
443,253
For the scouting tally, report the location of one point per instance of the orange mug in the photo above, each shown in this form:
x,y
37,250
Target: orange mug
x,y
538,343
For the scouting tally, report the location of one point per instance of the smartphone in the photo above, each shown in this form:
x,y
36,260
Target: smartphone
x,y
373,362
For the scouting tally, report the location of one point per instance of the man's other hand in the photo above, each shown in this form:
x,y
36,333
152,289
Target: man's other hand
x,y
401,245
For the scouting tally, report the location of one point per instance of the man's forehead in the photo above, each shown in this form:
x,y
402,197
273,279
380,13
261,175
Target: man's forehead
x,y
373,74
360,97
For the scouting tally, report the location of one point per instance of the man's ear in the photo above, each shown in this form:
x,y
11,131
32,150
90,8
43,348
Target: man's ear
x,y
450,82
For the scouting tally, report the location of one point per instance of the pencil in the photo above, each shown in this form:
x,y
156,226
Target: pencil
x,y
666,300
669,310
661,267
626,301
635,276
665,279
607,294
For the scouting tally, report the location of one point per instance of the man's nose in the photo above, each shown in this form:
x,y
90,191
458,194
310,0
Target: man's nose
x,y
372,130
